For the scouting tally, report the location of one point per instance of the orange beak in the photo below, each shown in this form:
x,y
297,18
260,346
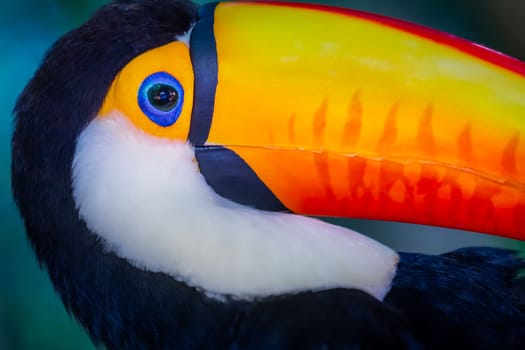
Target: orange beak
x,y
339,113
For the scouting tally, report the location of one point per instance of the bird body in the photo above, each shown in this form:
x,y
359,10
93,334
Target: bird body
x,y
156,206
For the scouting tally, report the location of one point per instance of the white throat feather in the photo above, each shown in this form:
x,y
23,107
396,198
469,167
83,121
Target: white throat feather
x,y
145,197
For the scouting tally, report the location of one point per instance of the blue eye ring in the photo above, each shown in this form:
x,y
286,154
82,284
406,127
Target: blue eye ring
x,y
161,98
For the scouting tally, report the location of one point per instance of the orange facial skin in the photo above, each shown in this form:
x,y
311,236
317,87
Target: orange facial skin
x,y
122,95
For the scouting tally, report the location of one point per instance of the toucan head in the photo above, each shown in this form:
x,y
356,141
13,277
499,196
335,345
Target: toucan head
x,y
185,141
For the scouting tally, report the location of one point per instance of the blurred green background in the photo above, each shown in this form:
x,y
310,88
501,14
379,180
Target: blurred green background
x,y
31,315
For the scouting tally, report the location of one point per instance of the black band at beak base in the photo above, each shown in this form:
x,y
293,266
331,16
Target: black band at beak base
x,y
203,51
225,172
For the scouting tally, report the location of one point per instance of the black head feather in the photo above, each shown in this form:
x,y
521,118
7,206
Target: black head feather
x,y
66,93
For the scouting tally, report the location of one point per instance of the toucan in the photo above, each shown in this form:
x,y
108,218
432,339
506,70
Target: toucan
x,y
170,162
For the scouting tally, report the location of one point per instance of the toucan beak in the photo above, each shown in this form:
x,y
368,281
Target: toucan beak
x,y
339,113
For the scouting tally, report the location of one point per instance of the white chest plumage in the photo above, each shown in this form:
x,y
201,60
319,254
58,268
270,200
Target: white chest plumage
x,y
144,196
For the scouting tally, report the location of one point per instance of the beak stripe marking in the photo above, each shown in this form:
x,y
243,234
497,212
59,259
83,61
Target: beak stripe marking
x,y
320,123
203,50
321,163
508,159
352,129
465,149
388,138
425,134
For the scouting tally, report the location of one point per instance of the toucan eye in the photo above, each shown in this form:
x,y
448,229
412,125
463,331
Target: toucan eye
x,y
160,98
163,97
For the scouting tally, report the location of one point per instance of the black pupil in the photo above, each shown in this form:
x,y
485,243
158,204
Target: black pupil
x,y
163,97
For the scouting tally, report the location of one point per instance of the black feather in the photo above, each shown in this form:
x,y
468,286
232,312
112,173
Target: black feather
x,y
466,298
